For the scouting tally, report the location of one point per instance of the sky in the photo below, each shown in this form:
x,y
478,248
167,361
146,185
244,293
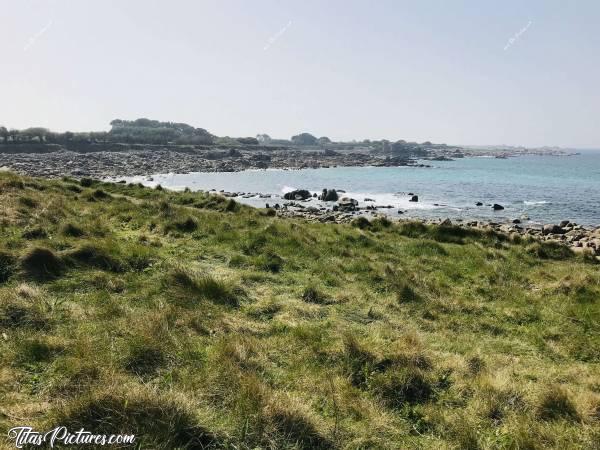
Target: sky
x,y
456,72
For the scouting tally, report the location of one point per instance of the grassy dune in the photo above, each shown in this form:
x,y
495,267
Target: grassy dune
x,y
195,322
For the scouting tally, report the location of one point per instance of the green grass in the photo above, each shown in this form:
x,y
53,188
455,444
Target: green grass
x,y
196,322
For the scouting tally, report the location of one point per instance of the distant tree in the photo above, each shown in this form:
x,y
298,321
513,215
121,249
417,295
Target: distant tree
x,y
52,137
4,134
304,139
35,132
324,140
385,145
263,138
13,134
154,132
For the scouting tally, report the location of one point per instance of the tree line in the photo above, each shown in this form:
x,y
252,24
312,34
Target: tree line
x,y
147,131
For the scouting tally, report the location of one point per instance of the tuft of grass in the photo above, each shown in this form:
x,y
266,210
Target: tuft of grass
x,y
269,262
186,225
95,256
7,266
19,314
231,205
34,233
359,362
361,222
41,264
144,359
34,351
555,403
100,194
313,295
159,422
399,386
549,250
294,426
193,286
406,294
73,188
28,202
476,365
71,230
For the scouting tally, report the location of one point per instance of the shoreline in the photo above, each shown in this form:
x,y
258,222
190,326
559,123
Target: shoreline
x,y
577,237
307,206
112,165
137,160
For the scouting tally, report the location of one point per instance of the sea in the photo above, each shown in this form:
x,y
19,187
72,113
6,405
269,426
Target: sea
x,y
536,189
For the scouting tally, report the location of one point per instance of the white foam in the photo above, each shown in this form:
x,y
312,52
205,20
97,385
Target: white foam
x,y
542,202
384,199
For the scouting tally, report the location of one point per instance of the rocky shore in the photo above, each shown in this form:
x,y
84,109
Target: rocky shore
x,y
328,206
333,207
102,164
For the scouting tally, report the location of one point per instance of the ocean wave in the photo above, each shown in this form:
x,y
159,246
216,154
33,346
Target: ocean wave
x,y
541,202
385,199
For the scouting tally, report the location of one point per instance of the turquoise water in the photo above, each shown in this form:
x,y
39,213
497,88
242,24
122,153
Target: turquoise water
x,y
547,189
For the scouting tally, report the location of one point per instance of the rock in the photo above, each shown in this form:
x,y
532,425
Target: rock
x,y
516,221
329,195
368,200
347,204
478,204
347,200
497,207
564,223
400,211
552,229
414,198
446,223
298,194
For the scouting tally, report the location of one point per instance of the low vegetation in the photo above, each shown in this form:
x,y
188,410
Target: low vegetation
x,y
195,322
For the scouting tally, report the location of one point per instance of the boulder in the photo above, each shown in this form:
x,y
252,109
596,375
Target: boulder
x,y
329,195
497,207
347,204
552,229
446,223
347,201
564,223
298,194
414,198
478,204
516,221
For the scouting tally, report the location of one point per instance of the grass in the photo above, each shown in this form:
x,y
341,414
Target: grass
x,y
194,321
41,264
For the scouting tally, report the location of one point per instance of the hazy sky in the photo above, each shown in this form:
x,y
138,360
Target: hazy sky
x,y
444,71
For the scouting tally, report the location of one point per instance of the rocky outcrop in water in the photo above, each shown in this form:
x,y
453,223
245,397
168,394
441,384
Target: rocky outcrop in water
x,y
298,194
